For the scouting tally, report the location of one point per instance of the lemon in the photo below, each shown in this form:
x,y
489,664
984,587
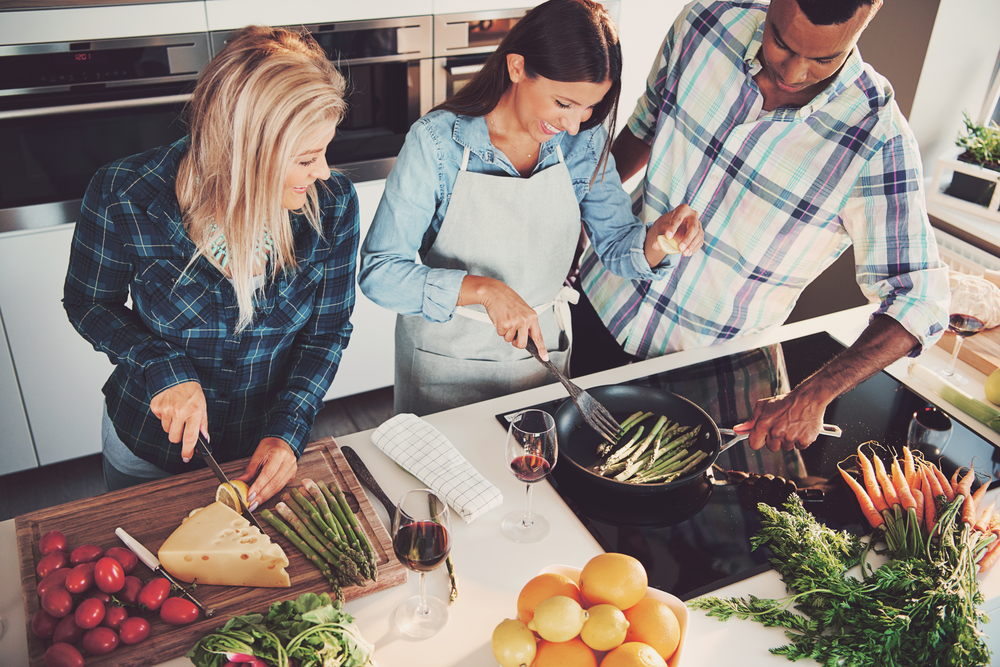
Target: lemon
x,y
226,494
605,628
669,246
558,619
513,644
993,387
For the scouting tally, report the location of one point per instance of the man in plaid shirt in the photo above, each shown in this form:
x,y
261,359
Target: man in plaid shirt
x,y
763,121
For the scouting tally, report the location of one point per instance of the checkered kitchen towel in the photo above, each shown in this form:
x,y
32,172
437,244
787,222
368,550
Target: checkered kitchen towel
x,y
425,453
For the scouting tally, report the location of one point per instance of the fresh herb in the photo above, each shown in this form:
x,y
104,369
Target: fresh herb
x,y
921,610
311,631
981,142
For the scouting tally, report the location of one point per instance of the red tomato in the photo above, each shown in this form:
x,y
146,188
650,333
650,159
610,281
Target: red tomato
x,y
109,575
154,593
88,553
124,556
49,563
99,640
129,594
52,541
80,578
90,613
63,655
68,631
100,595
133,630
43,624
57,601
57,578
114,617
178,611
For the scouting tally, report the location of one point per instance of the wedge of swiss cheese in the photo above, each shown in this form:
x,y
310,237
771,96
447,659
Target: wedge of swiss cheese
x,y
216,545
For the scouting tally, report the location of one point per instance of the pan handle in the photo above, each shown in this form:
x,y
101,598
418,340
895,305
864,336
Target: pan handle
x,y
826,429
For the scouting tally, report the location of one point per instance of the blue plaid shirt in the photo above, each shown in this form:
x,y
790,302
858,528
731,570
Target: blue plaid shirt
x,y
781,194
267,381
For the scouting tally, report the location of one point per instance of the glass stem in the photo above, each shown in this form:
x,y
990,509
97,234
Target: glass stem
x,y
954,356
527,522
422,609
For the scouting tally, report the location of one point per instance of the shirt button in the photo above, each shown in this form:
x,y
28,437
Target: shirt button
x,y
230,363
223,394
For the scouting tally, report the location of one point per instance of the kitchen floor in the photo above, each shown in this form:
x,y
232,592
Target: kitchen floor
x,y
64,482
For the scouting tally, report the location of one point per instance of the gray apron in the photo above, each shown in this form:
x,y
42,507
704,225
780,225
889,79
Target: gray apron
x,y
522,232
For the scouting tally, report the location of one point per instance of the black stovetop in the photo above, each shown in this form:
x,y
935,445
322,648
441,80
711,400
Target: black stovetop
x,y
701,541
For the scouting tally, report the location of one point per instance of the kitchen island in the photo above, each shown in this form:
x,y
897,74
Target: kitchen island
x,y
491,569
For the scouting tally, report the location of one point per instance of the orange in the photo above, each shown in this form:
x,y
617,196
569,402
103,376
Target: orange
x,y
653,622
541,588
573,653
615,579
633,654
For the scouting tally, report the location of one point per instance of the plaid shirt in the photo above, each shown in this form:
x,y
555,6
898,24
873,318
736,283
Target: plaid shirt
x,y
781,194
270,379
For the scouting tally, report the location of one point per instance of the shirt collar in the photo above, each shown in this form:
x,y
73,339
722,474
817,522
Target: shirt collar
x,y
473,133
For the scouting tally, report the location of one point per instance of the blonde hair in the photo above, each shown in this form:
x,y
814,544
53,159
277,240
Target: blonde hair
x,y
254,105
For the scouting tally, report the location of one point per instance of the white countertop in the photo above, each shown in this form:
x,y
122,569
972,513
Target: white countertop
x,y
491,569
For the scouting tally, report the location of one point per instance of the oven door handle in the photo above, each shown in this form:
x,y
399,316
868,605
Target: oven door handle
x,y
94,106
462,70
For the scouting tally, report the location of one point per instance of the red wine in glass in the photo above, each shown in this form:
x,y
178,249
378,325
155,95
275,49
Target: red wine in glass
x,y
530,468
964,325
421,546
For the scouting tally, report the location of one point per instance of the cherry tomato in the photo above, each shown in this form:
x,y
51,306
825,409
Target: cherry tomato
x,y
129,594
124,556
68,631
63,655
100,595
43,624
109,575
178,611
88,553
57,578
49,563
80,579
154,593
90,613
99,640
52,541
114,617
57,601
133,630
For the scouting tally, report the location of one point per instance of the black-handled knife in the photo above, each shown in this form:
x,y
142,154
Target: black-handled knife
x,y
364,475
202,449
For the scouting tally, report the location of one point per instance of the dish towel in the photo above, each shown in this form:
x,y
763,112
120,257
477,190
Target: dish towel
x,y
425,453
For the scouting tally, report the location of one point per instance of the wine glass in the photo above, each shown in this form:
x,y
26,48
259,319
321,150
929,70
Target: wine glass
x,y
930,429
531,452
965,299
421,538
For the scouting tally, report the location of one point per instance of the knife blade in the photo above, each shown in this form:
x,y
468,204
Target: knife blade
x,y
202,449
364,475
153,563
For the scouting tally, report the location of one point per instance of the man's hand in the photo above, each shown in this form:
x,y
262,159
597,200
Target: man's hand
x,y
277,465
681,225
183,412
789,421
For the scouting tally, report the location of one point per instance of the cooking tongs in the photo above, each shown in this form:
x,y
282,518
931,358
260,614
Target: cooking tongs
x,y
202,449
595,414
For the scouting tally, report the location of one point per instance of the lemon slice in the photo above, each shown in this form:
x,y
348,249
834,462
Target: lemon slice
x,y
669,246
227,493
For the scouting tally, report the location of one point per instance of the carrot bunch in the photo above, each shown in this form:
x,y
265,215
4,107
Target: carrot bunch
x,y
913,506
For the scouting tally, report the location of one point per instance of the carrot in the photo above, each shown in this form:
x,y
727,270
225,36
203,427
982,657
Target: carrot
x,y
930,510
946,487
931,479
954,477
990,557
888,491
871,483
867,506
909,468
983,525
977,498
963,489
918,512
903,491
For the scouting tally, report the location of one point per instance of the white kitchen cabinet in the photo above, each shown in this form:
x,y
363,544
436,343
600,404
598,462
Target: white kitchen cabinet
x,y
59,373
18,450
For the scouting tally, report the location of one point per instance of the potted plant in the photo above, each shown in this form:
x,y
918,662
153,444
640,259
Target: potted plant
x,y
982,148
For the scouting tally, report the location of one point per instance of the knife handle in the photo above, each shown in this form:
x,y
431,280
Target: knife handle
x,y
151,561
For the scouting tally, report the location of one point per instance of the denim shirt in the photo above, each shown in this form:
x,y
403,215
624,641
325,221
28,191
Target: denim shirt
x,y
418,191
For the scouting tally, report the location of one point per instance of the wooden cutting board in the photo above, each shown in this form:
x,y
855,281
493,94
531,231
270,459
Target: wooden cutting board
x,y
981,351
152,511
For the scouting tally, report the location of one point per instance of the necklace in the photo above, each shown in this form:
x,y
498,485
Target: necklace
x,y
220,250
504,141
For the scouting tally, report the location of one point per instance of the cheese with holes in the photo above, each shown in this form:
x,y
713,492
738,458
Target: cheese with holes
x,y
216,545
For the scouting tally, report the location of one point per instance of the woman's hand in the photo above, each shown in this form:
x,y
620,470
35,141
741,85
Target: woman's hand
x,y
514,319
183,412
681,225
274,465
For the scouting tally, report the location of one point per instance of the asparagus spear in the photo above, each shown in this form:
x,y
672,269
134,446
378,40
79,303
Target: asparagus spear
x,y
290,535
309,515
341,562
352,522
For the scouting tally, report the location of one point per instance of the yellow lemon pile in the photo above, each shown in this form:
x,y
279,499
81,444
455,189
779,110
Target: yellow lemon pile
x,y
604,621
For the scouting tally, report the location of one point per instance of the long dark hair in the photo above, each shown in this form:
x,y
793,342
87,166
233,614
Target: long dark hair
x,y
561,40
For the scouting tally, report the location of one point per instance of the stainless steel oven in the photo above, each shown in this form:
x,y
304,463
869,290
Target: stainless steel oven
x,y
68,108
388,69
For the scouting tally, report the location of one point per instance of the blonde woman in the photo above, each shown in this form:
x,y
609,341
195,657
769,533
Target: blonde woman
x,y
238,247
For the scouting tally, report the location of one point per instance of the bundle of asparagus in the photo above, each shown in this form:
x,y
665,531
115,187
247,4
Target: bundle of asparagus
x,y
322,525
660,457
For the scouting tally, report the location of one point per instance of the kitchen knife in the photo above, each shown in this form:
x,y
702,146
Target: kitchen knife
x,y
153,563
365,477
201,448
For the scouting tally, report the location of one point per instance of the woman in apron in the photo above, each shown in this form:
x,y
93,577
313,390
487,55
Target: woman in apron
x,y
480,220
